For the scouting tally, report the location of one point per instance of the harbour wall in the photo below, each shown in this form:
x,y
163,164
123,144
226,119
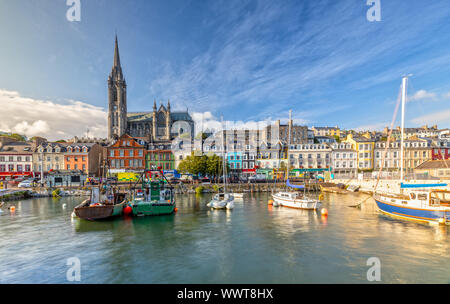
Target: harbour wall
x,y
392,185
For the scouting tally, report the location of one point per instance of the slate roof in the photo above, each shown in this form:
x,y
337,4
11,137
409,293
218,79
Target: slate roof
x,y
148,116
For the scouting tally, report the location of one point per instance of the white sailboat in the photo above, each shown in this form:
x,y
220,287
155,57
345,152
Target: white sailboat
x,y
293,199
223,200
423,202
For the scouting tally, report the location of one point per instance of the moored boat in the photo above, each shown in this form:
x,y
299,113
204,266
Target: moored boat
x,y
99,207
222,201
153,198
420,204
295,200
238,195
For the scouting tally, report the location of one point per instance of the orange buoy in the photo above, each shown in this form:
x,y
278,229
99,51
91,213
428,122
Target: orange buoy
x,y
176,209
127,210
12,209
324,212
270,202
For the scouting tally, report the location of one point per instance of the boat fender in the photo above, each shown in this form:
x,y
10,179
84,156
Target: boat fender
x,y
324,212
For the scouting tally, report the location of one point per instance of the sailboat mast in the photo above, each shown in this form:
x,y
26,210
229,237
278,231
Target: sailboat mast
x,y
404,94
223,158
289,143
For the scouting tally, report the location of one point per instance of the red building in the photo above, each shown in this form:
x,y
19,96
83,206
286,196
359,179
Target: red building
x,y
127,154
439,153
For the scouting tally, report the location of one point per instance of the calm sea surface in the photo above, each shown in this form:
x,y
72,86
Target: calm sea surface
x,y
254,243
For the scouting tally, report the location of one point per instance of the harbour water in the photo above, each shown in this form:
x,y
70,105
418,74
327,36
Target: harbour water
x,y
253,243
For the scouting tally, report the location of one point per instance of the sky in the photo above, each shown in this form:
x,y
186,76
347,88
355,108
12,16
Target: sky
x,y
248,61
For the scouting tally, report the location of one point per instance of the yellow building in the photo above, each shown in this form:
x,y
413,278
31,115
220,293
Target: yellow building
x,y
364,148
326,131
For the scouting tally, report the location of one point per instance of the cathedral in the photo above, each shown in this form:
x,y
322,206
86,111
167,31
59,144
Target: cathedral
x,y
159,125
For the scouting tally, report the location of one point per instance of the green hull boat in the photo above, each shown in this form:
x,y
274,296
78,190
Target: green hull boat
x,y
154,198
141,208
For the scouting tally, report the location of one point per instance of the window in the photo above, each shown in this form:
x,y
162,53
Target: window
x,y
121,153
111,153
2,168
75,167
130,153
2,158
27,168
11,158
140,153
19,158
84,167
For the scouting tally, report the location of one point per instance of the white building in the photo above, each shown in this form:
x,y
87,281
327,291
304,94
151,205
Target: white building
x,y
310,156
344,160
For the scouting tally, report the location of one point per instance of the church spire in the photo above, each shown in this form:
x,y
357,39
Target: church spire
x,y
116,54
116,72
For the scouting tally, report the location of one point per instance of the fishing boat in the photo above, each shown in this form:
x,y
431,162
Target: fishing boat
x,y
222,200
155,196
101,206
294,199
420,202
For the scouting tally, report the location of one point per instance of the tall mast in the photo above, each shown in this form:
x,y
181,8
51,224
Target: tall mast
x,y
404,94
289,143
223,158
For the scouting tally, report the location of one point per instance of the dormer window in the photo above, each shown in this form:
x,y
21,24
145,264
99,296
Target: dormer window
x,y
69,149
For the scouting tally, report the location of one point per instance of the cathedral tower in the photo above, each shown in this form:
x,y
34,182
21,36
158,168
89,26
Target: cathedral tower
x,y
117,98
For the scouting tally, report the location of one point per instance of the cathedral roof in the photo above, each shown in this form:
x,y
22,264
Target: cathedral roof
x,y
148,116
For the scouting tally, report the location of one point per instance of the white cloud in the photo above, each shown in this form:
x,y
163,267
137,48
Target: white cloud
x,y
33,117
422,95
441,117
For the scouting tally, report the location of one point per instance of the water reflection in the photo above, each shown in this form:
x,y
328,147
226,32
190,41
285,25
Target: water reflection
x,y
253,243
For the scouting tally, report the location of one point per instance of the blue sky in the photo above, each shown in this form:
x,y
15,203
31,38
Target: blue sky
x,y
245,60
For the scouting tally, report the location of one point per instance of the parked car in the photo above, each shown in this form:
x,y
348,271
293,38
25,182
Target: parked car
x,y
257,178
206,181
25,184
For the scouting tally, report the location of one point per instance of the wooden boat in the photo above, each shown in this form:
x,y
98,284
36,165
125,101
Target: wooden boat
x,y
96,208
353,188
427,205
420,202
333,190
154,197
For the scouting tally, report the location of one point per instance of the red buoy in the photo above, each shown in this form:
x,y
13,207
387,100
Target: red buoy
x,y
127,210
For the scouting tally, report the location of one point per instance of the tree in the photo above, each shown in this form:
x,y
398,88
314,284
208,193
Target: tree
x,y
203,165
16,136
